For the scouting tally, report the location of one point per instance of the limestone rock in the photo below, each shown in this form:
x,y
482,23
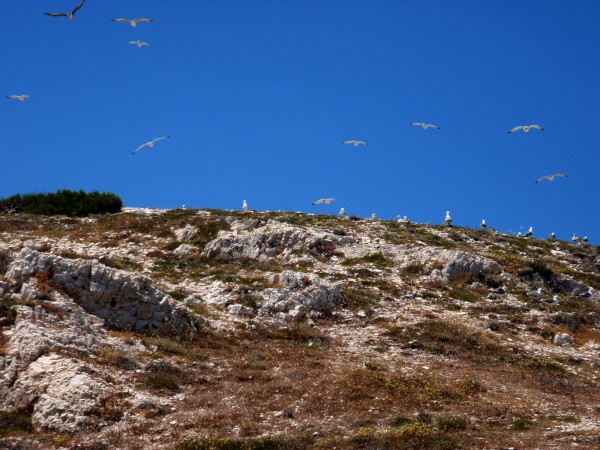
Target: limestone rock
x,y
563,340
186,234
184,250
126,299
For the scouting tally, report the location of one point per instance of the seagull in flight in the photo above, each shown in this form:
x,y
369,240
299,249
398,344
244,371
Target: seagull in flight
x,y
149,144
552,177
133,22
355,143
424,125
21,97
70,15
323,200
140,44
526,128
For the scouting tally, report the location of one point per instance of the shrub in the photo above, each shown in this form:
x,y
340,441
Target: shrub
x,y
452,423
8,314
63,202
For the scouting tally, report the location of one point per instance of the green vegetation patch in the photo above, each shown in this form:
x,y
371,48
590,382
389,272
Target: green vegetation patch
x,y
63,202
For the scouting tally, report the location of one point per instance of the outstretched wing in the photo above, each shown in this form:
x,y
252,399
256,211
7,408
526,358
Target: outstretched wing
x,y
121,20
417,124
536,126
430,125
56,14
78,7
159,139
139,148
520,127
141,19
543,178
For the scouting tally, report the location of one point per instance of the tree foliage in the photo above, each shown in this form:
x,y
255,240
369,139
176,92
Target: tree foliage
x,y
62,202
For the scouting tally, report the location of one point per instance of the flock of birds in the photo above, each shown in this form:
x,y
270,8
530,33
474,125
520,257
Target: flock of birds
x,y
356,143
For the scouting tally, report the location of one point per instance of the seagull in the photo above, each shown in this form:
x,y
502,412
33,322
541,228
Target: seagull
x,y
529,232
355,143
323,200
552,237
424,125
526,128
550,301
500,290
21,97
585,240
552,177
140,44
448,219
576,238
149,144
342,214
245,207
373,216
536,294
483,225
70,15
586,294
133,22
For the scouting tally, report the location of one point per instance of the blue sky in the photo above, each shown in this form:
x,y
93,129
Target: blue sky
x,y
257,95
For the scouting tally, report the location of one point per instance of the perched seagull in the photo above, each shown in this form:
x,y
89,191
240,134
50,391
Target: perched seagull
x,y
552,177
536,294
500,290
342,214
140,44
483,225
550,301
70,15
586,294
552,237
21,97
448,219
424,125
323,200
355,143
149,144
526,128
373,216
585,240
529,232
576,238
133,22
245,207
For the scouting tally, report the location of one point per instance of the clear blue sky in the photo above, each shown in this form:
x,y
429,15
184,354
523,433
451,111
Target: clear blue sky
x,y
257,95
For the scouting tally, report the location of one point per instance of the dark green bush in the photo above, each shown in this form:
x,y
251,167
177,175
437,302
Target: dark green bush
x,y
63,202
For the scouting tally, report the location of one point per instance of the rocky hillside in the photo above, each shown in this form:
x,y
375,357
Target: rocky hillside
x,y
204,329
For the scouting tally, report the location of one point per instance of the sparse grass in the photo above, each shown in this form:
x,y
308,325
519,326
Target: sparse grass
x,y
111,407
8,313
545,364
261,443
15,422
162,383
376,259
355,297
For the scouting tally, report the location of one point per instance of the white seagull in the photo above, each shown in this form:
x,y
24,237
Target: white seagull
x,y
529,232
21,97
245,207
355,143
70,15
552,237
483,225
552,177
323,200
536,294
424,125
149,144
526,128
550,301
140,44
586,294
133,22
448,219
576,238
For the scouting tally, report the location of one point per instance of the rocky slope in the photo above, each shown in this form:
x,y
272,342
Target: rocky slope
x,y
213,329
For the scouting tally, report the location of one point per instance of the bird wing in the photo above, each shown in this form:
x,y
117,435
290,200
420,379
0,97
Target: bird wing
x,y
12,96
139,148
520,127
318,202
536,126
121,20
56,14
560,175
78,7
361,142
143,20
159,139
418,124
348,142
542,179
430,125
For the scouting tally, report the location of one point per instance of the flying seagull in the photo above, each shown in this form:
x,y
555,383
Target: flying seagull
x,y
424,125
70,15
21,97
323,200
140,44
526,128
133,22
149,144
552,177
355,143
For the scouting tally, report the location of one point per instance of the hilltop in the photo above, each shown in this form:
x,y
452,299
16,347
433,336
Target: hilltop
x,y
209,329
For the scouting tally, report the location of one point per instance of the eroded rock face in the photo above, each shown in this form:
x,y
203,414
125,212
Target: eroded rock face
x,y
259,241
186,234
61,390
299,294
123,298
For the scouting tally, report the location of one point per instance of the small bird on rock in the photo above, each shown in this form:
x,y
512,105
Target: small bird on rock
x,y
448,219
529,232
550,301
